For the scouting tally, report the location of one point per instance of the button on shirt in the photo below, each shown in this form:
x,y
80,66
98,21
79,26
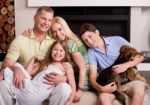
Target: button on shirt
x,y
104,59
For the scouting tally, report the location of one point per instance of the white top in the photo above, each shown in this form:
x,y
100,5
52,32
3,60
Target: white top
x,y
35,91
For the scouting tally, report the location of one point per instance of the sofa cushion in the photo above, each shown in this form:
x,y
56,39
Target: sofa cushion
x,y
90,98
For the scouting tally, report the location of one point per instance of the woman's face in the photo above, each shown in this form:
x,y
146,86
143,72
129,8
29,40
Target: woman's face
x,y
58,53
58,31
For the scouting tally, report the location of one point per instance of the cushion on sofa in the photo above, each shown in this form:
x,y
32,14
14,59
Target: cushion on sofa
x,y
90,98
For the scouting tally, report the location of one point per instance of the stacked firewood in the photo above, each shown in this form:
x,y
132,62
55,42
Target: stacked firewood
x,y
7,24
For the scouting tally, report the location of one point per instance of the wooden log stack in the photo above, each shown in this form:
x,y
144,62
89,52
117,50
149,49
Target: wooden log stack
x,y
7,24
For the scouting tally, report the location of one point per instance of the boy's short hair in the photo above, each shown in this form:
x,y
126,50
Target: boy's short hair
x,y
87,27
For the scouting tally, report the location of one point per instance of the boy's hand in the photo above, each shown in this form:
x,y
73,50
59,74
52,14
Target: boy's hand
x,y
109,88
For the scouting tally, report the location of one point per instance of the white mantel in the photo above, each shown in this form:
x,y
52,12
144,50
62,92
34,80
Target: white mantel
x,y
36,3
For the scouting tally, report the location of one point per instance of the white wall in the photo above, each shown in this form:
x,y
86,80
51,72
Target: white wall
x,y
140,23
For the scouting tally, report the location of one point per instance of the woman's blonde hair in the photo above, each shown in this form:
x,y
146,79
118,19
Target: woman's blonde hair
x,y
70,35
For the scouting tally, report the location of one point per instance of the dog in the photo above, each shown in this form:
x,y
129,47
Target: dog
x,y
107,76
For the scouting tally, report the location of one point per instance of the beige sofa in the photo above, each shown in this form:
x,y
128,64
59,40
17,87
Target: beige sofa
x,y
90,98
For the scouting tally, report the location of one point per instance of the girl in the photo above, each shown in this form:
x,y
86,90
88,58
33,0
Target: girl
x,y
35,91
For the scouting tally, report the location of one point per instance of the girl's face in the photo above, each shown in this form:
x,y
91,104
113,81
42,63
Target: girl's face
x,y
58,31
58,53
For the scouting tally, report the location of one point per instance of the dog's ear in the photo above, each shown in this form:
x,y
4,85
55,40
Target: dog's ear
x,y
124,48
130,53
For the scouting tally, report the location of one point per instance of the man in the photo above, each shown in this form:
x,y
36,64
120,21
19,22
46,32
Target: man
x,y
22,49
102,53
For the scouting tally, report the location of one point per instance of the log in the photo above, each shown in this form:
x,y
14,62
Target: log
x,y
13,28
3,47
4,11
11,13
1,1
7,24
4,18
11,20
10,39
1,30
3,37
11,33
7,2
10,8
7,27
1,24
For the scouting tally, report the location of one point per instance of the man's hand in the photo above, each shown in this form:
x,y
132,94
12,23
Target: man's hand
x,y
54,79
18,78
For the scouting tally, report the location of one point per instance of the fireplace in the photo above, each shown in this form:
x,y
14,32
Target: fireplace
x,y
110,20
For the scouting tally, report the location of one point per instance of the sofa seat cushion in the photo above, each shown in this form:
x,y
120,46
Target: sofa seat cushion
x,y
90,98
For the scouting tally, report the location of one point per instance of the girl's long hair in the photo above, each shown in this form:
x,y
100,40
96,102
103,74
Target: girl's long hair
x,y
48,58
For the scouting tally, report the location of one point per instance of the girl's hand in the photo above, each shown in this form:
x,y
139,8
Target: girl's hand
x,y
27,33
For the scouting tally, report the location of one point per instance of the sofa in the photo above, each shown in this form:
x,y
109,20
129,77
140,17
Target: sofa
x,y
90,98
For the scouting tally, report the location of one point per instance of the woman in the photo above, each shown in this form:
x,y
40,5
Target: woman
x,y
60,30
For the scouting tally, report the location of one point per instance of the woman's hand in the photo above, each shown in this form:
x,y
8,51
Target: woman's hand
x,y
54,79
39,58
27,33
77,96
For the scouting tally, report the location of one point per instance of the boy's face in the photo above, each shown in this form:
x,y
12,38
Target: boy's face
x,y
90,38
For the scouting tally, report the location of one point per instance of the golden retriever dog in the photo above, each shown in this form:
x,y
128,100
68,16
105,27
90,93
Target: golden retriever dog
x,y
107,76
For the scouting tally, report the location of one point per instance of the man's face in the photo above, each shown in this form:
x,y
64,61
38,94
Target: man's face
x,y
43,21
90,39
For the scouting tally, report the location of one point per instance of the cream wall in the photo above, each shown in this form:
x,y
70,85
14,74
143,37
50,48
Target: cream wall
x,y
140,23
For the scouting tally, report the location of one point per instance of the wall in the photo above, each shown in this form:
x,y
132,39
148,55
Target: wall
x,y
140,19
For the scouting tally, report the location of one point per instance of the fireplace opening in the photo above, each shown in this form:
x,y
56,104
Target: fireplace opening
x,y
110,20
